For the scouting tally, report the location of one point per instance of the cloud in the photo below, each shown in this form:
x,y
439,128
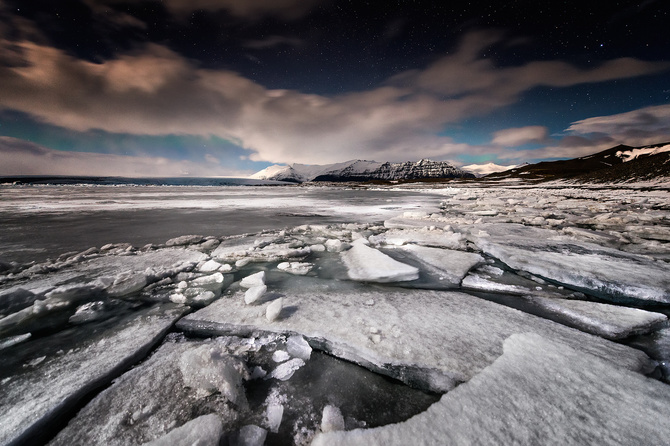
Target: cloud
x,y
648,125
21,157
515,137
154,91
648,120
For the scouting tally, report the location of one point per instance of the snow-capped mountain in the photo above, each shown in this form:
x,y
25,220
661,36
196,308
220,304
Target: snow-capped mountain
x,y
484,169
362,170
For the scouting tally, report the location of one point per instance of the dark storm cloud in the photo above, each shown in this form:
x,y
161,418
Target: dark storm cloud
x,y
155,91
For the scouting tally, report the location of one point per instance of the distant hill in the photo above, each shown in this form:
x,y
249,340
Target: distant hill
x,y
618,164
362,170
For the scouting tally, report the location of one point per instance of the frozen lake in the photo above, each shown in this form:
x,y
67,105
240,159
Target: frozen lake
x,y
322,315
43,221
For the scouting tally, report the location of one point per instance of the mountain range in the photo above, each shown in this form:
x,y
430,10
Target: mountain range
x,y
362,170
618,164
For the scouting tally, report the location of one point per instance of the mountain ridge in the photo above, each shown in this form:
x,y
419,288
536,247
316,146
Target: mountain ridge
x,y
362,170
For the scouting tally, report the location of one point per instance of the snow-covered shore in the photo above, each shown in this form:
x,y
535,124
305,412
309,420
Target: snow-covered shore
x,y
235,325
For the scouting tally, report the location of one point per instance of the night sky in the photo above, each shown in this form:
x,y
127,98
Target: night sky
x,y
228,87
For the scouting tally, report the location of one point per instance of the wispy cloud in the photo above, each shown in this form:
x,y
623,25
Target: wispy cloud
x,y
272,41
648,125
154,91
515,137
25,158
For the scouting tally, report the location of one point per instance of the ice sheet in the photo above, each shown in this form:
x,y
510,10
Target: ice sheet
x,y
432,340
538,392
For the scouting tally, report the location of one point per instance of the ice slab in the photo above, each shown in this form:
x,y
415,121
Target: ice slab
x,y
252,280
451,265
608,321
148,402
202,431
537,392
428,339
602,271
33,396
371,265
424,236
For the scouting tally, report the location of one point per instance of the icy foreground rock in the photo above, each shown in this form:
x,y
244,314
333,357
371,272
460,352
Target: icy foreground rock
x,y
537,392
607,272
431,340
371,265
33,395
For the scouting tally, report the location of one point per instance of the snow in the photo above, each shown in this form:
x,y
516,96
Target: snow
x,y
432,340
371,265
538,392
59,382
205,430
630,155
481,170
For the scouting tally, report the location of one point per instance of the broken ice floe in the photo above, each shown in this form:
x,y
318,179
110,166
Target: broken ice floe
x,y
33,397
466,333
371,265
538,391
605,272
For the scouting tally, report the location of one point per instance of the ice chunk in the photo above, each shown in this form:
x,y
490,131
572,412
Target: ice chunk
x,y
297,268
250,435
450,264
127,283
202,431
371,265
465,333
280,356
425,237
605,272
212,282
334,245
210,266
298,347
274,414
256,279
254,293
538,391
286,370
184,240
8,342
29,402
608,321
332,419
210,369
273,310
